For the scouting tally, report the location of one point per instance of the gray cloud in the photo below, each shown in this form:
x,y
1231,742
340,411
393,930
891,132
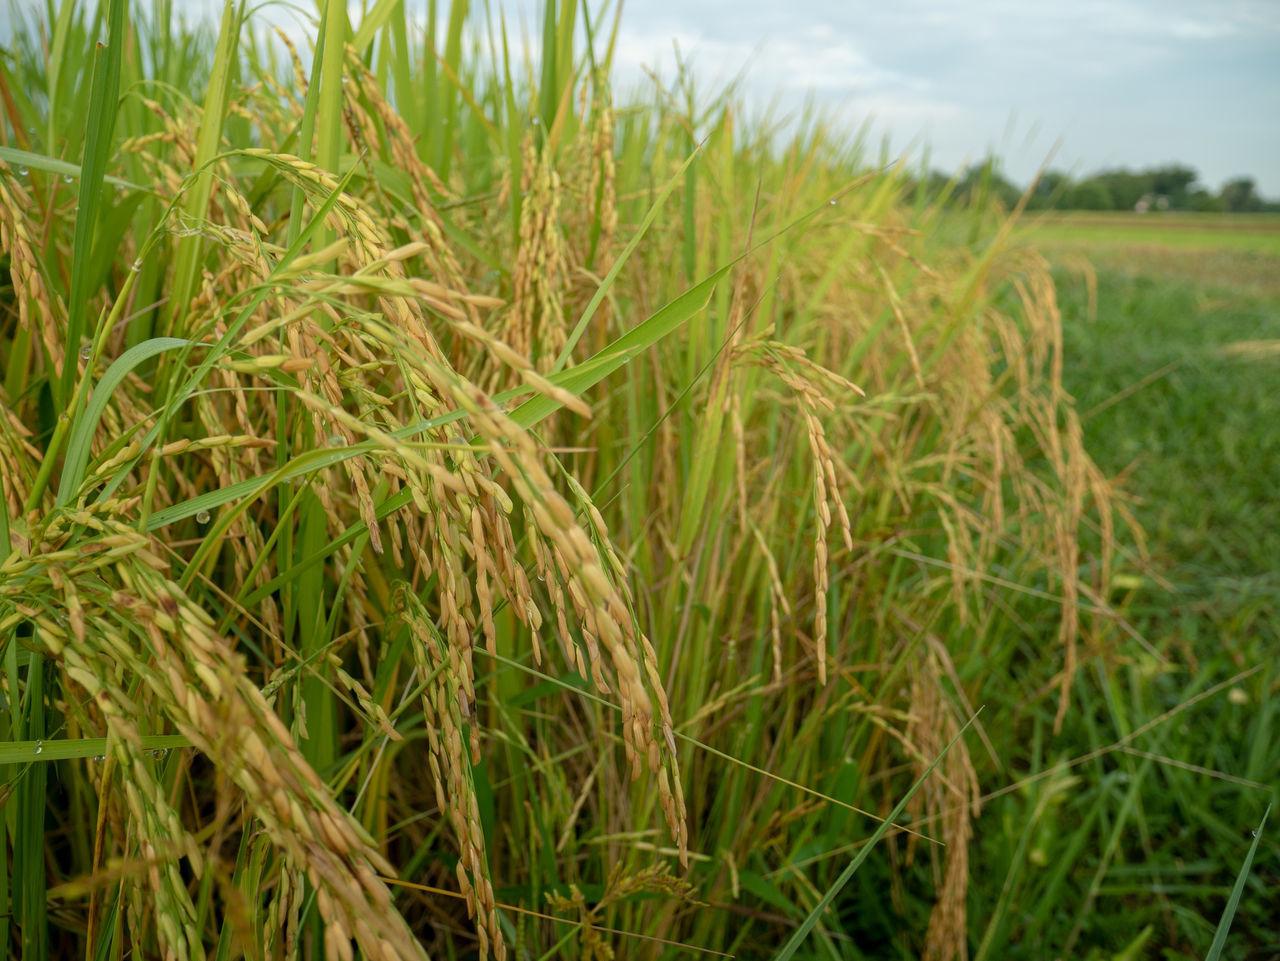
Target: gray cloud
x,y
1116,82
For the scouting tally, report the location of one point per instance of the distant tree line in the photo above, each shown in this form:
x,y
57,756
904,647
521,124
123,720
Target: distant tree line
x,y
1172,187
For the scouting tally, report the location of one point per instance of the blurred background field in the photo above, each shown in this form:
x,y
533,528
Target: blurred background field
x,y
520,522
1171,335
1257,233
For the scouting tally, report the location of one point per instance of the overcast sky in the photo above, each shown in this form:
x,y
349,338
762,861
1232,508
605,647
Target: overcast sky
x,y
1116,82
1113,82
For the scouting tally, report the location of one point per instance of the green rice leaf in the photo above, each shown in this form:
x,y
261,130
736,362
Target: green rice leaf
x,y
1233,902
67,749
82,432
36,161
103,96
789,949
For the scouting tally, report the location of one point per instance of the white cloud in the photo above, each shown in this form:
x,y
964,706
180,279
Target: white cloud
x,y
1121,81
821,59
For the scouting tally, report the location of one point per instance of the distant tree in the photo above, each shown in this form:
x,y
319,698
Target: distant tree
x,y
929,190
980,182
1171,187
1092,194
1240,196
1124,187
1173,182
1201,201
1050,190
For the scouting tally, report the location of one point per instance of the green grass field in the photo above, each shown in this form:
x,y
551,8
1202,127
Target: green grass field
x,y
1173,362
446,512
1250,233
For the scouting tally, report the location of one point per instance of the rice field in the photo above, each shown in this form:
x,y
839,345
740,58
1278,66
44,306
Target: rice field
x,y
1256,234
453,511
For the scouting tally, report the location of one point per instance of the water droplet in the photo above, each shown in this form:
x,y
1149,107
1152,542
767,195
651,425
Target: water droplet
x,y
202,517
86,352
67,178
136,265
22,171
832,202
346,79
537,121
337,440
541,578
39,747
99,758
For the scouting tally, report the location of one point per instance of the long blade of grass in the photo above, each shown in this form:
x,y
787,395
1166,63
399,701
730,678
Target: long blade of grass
x,y
6,546
195,205
103,98
87,422
1233,902
373,21
29,877
329,123
622,350
61,168
793,943
607,284
68,749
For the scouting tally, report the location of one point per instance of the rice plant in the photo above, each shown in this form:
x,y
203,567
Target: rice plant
x,y
450,510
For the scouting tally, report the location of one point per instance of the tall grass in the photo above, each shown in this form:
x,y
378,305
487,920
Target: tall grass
x,y
449,511
1171,379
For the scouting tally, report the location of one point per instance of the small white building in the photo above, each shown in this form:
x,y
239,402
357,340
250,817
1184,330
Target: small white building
x,y
1160,202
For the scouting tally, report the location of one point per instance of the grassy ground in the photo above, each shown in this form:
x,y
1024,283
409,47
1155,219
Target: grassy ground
x,y
1172,232
448,511
1175,371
